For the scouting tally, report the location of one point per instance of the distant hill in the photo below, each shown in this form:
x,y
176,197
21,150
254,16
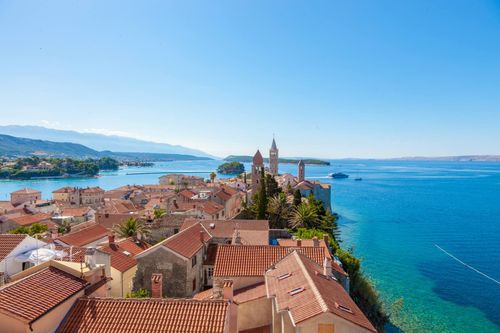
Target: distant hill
x,y
15,147
98,142
248,159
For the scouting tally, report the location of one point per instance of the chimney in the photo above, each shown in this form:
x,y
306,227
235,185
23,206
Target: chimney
x,y
227,290
315,241
326,240
157,285
299,242
202,238
327,267
111,239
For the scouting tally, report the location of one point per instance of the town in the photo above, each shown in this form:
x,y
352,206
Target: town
x,y
253,253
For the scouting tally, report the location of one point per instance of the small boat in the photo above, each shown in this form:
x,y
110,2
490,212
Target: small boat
x,y
358,179
338,175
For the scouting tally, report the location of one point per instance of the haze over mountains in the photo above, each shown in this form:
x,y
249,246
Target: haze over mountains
x,y
98,142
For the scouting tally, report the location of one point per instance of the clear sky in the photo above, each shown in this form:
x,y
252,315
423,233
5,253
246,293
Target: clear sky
x,y
330,79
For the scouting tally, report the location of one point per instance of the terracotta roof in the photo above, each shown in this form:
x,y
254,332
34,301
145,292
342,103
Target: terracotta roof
x,y
187,193
186,243
80,211
117,206
304,185
226,228
315,293
211,207
96,189
108,315
109,220
254,260
26,191
226,193
8,243
85,236
30,219
123,253
67,189
31,297
241,295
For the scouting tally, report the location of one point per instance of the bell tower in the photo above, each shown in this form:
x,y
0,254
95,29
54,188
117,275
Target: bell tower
x,y
257,166
273,159
302,171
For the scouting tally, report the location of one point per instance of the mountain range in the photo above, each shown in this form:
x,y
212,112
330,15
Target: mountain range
x,y
15,147
98,142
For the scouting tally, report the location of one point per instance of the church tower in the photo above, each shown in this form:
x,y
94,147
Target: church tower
x,y
273,159
257,166
302,171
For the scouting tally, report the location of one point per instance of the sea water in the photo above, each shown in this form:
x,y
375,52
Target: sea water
x,y
399,219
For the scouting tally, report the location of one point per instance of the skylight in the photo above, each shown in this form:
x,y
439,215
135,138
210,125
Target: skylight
x,y
127,253
344,308
295,291
284,276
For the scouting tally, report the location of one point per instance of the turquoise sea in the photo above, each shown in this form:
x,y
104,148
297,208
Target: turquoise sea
x,y
399,219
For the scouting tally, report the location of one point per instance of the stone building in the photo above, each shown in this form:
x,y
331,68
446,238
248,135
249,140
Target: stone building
x,y
25,195
273,159
257,166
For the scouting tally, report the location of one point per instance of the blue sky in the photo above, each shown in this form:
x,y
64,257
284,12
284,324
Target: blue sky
x,y
330,79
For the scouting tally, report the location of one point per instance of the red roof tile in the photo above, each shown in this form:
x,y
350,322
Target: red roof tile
x,y
91,315
30,219
31,297
79,211
85,236
226,228
318,294
187,242
26,191
254,260
67,189
8,243
123,253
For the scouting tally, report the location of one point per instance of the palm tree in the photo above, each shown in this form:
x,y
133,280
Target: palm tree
x,y
280,210
158,213
304,216
132,227
213,175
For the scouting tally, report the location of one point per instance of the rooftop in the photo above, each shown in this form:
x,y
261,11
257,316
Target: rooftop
x,y
123,253
146,315
26,191
255,260
85,236
32,296
8,243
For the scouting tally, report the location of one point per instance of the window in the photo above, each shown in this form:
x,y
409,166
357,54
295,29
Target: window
x,y
194,284
343,307
283,276
326,328
193,261
295,291
176,230
210,271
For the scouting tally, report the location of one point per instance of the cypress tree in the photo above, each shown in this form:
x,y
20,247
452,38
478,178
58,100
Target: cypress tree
x,y
297,198
262,208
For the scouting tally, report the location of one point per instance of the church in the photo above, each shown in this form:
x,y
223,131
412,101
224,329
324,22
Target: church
x,y
306,187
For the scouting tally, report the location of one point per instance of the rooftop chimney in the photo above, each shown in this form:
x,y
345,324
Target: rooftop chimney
x,y
227,290
299,242
315,241
202,239
326,239
111,239
327,267
157,285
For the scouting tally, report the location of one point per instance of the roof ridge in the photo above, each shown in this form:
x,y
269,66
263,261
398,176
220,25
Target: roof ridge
x,y
310,281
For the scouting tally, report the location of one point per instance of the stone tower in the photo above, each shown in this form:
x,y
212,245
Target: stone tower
x,y
273,159
257,166
302,171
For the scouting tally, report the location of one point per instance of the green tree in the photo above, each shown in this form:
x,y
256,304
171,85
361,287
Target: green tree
x,y
132,227
213,175
262,203
272,187
297,198
141,293
279,211
304,215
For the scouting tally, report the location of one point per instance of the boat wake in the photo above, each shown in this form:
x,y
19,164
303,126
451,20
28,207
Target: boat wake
x,y
466,265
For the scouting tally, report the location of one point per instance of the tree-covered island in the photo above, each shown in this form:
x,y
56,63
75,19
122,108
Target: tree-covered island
x,y
35,167
231,168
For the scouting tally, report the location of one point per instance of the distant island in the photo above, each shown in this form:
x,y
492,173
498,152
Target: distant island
x,y
15,147
231,168
248,159
460,158
36,168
